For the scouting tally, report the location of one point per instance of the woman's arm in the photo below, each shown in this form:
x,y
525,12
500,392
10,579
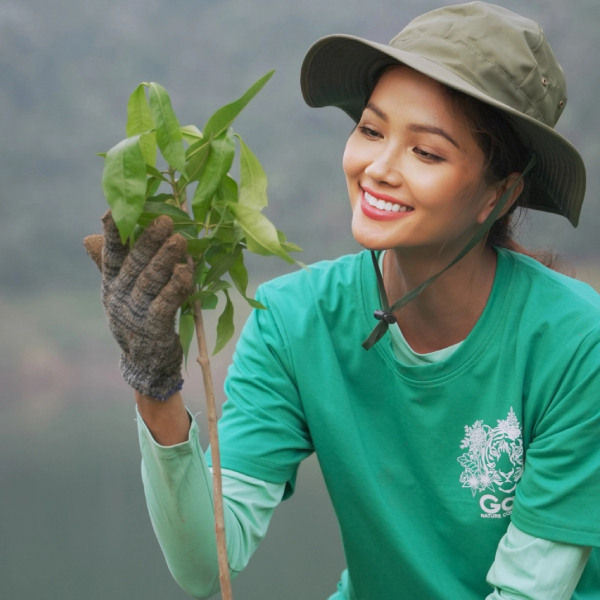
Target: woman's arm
x,y
168,421
178,489
532,568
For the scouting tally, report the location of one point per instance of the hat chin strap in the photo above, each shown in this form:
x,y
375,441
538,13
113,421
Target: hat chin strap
x,y
385,316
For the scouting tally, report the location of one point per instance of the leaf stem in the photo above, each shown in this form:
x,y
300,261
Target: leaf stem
x,y
173,183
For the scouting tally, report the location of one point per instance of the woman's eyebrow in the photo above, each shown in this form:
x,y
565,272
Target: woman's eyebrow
x,y
414,127
418,128
377,111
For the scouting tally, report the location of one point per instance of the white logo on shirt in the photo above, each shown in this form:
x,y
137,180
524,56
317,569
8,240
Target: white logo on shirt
x,y
493,461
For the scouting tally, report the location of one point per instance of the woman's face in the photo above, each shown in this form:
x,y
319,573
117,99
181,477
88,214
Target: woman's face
x,y
417,161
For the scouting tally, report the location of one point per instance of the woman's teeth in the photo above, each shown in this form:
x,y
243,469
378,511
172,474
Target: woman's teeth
x,y
383,205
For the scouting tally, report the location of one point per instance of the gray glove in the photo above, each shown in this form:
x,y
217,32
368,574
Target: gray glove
x,y
141,292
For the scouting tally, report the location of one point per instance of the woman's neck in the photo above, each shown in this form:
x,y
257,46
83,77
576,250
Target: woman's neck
x,y
445,312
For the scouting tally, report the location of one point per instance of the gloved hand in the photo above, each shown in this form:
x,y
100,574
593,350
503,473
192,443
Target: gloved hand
x,y
141,292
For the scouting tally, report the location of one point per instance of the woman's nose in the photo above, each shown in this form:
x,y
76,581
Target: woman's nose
x,y
385,168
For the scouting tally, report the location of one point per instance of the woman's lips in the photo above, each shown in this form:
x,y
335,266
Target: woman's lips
x,y
380,214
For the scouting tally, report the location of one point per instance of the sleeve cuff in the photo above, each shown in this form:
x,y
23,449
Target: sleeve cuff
x,y
146,435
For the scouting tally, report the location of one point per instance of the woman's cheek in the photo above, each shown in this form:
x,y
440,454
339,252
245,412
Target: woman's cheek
x,y
431,185
353,158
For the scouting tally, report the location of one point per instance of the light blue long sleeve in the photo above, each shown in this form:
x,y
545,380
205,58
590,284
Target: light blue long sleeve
x,y
178,488
531,568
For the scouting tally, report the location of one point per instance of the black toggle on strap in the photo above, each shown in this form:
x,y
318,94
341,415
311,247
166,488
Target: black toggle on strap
x,y
385,316
380,315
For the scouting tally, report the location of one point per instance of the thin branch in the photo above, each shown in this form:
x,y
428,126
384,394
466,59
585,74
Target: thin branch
x,y
213,434
211,410
173,183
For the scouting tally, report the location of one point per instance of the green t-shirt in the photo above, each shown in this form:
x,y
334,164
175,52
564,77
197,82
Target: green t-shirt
x,y
424,464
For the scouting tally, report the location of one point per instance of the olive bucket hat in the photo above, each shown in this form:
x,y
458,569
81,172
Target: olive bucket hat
x,y
483,50
486,52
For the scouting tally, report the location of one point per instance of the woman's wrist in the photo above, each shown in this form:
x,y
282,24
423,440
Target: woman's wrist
x,y
167,420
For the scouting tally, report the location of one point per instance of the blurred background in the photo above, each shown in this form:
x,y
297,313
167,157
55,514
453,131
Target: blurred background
x,y
73,519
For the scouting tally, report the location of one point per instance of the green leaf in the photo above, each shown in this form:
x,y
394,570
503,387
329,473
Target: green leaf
x,y
196,147
256,304
226,234
188,232
191,133
155,173
224,117
261,235
102,154
224,229
162,208
215,252
225,327
209,302
220,266
197,247
287,246
238,234
291,247
152,185
220,159
148,145
219,286
134,235
228,190
214,229
139,117
181,221
139,121
253,181
160,198
200,272
124,184
196,157
186,332
239,274
168,132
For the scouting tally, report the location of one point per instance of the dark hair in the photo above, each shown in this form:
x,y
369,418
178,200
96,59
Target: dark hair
x,y
504,154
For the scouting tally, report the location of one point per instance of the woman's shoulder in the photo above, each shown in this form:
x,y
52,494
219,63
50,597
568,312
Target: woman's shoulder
x,y
325,297
323,278
552,297
534,273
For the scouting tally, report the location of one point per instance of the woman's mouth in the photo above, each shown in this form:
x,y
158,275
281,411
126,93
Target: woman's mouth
x,y
383,210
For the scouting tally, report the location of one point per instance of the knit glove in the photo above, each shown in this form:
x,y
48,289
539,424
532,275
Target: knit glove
x,y
141,292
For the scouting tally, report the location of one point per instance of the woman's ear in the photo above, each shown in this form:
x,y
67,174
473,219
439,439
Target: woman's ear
x,y
496,193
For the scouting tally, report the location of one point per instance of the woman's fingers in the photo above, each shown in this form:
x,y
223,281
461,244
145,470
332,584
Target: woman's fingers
x,y
148,244
171,297
113,251
160,269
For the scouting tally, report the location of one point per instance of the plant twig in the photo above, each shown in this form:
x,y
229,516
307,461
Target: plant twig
x,y
211,410
213,436
173,183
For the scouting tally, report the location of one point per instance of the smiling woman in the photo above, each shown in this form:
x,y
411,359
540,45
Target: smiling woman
x,y
422,157
461,452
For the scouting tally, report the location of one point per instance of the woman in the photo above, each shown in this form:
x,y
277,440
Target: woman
x,y
461,451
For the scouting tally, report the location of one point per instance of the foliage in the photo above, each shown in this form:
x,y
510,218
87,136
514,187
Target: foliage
x,y
222,219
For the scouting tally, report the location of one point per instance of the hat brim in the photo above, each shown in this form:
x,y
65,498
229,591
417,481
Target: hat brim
x,y
341,70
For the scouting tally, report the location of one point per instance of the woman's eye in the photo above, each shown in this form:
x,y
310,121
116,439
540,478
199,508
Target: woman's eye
x,y
368,131
427,155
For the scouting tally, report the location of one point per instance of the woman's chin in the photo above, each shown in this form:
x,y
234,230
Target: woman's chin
x,y
372,235
371,241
